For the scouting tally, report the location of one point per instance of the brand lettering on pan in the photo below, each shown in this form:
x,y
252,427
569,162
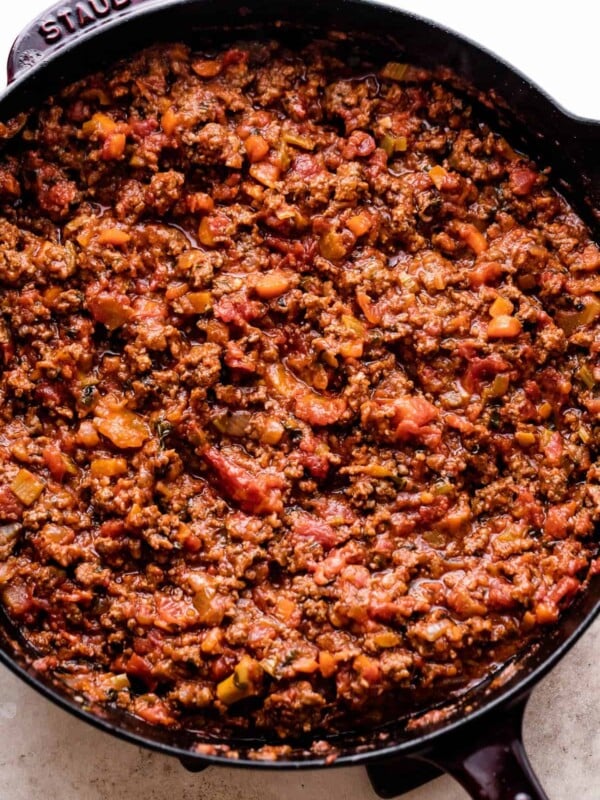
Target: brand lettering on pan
x,y
70,20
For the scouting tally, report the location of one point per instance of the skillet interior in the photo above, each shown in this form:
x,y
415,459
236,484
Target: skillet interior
x,y
421,43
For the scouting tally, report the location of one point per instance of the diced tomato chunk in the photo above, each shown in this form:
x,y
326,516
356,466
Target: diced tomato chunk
x,y
58,463
112,528
485,273
11,508
402,418
522,180
482,368
255,493
112,309
319,410
141,668
554,449
238,310
174,614
17,598
558,519
414,409
501,595
153,710
311,527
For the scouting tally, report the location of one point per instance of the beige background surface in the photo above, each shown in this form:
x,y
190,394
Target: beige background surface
x,y
45,753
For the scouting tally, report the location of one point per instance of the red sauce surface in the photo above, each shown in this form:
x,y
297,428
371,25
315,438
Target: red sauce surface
x,y
299,408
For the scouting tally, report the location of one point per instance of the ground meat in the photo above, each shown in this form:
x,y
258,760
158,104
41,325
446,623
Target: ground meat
x,y
299,419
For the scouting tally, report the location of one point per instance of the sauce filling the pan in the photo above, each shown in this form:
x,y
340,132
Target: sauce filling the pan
x,y
299,390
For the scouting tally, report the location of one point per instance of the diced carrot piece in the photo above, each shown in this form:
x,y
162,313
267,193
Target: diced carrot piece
x,y
206,68
199,302
306,665
51,294
200,203
472,237
284,382
367,307
114,236
285,608
501,305
87,434
327,664
352,349
257,147
112,310
265,173
387,639
525,438
114,146
437,175
205,233
27,486
175,290
271,284
368,668
333,246
170,121
485,273
504,327
85,237
100,124
360,223
546,614
124,428
108,467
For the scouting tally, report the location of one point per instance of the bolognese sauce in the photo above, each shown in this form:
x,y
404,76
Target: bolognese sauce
x,y
299,418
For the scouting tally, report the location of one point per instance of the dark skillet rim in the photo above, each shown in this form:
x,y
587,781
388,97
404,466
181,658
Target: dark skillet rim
x,y
428,739
149,7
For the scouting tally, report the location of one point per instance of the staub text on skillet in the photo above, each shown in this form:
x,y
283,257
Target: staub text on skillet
x,y
66,21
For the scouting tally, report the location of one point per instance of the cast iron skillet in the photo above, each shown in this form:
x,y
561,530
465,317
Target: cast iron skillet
x,y
479,740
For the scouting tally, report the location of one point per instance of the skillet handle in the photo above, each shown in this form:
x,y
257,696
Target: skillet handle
x,y
486,757
60,25
490,761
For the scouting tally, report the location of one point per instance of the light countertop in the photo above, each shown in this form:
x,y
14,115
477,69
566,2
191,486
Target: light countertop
x,y
47,753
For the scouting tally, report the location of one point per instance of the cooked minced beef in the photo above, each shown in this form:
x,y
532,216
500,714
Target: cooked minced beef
x,y
299,408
